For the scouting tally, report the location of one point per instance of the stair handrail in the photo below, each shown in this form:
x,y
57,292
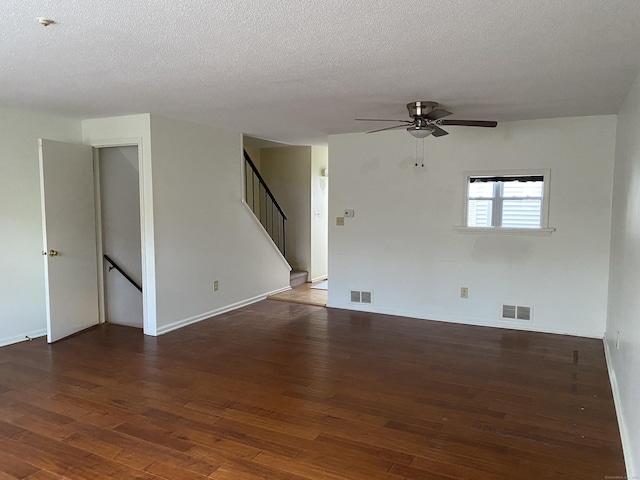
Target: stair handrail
x,y
263,183
122,272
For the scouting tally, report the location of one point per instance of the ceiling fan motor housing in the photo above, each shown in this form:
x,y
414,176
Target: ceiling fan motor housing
x,y
420,109
426,119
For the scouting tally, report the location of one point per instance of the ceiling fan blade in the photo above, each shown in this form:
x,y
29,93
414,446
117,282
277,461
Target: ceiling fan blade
x,y
469,123
436,114
388,128
380,120
438,132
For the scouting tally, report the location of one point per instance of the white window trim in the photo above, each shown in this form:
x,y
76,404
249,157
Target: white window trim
x,y
504,231
544,220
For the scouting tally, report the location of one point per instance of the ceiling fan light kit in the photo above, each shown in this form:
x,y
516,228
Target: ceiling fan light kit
x,y
427,119
420,132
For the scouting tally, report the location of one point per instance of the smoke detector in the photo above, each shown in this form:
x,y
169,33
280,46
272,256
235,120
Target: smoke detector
x,y
45,22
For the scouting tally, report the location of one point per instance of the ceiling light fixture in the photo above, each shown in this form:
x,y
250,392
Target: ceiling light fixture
x,y
420,131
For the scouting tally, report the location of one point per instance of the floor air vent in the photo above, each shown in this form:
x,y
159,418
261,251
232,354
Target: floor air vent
x,y
516,312
355,296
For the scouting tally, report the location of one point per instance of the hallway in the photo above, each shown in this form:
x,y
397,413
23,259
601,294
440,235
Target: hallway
x,y
305,294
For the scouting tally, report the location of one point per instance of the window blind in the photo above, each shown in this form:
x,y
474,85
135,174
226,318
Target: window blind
x,y
518,178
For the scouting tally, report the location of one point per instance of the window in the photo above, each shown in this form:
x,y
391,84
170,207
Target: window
x,y
507,201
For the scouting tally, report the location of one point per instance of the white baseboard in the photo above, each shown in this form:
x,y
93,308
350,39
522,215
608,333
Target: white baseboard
x,y
480,322
624,434
218,311
22,338
280,290
317,279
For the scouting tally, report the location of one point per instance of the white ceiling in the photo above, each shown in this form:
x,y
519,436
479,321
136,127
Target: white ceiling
x,y
295,71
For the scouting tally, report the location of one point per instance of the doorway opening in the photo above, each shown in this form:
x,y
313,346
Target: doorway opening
x,y
307,293
119,235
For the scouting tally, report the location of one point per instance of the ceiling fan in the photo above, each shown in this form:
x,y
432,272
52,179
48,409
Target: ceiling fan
x,y
427,119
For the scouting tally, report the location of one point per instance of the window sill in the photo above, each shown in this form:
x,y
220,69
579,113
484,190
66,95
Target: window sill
x,y
505,231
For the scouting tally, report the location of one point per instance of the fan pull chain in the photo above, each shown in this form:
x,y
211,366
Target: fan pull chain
x,y
421,163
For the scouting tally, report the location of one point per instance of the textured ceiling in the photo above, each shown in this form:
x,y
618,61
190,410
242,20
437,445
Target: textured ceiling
x,y
295,71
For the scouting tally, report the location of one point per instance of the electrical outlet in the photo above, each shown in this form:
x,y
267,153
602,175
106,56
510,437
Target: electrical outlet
x,y
340,221
349,213
215,285
464,292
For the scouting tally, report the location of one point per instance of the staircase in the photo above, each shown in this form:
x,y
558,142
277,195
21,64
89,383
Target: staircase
x,y
268,212
264,205
297,277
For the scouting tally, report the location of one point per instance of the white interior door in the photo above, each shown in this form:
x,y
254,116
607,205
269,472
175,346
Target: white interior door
x,y
69,237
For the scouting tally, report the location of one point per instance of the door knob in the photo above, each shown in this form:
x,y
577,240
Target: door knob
x,y
53,253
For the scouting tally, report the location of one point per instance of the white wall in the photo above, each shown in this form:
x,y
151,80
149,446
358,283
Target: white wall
x,y
319,214
120,215
287,172
22,301
402,246
624,286
203,231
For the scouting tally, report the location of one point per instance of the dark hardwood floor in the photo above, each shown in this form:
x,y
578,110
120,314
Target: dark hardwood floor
x,y
285,391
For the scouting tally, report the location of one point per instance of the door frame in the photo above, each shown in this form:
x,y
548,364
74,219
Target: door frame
x,y
146,233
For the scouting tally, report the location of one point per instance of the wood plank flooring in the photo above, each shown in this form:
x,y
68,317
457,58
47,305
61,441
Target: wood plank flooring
x,y
285,391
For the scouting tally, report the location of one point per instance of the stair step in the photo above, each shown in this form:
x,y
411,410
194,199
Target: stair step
x,y
297,277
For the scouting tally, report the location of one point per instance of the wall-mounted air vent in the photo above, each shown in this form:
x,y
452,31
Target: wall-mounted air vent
x,y
516,312
361,297
523,313
509,311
